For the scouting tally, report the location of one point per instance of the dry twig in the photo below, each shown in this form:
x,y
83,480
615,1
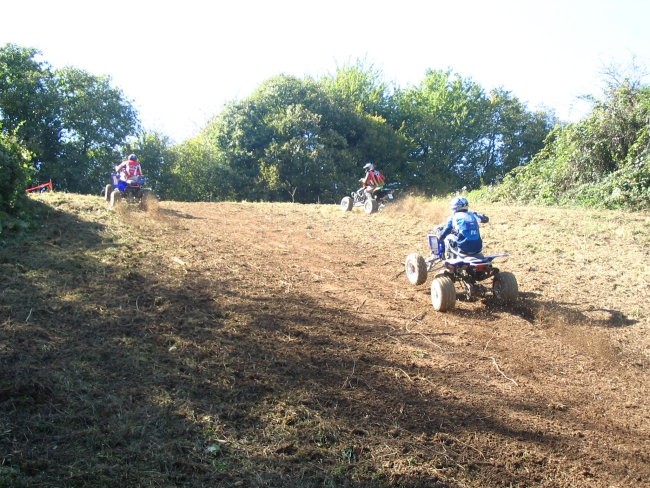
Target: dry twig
x,y
502,373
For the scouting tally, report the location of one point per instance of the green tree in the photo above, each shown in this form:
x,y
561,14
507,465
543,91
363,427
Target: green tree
x,y
360,88
301,139
239,133
363,117
29,102
461,137
16,169
261,140
512,136
444,119
199,172
96,120
73,122
291,159
157,158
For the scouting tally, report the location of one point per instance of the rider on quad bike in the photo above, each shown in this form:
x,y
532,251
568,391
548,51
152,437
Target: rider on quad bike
x,y
456,259
127,183
372,195
127,170
372,181
461,233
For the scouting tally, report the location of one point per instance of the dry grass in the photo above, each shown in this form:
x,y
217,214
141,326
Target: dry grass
x,y
243,344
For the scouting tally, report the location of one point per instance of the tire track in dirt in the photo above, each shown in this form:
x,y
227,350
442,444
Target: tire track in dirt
x,y
545,377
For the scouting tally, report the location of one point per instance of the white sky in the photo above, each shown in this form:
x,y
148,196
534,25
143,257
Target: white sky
x,y
180,61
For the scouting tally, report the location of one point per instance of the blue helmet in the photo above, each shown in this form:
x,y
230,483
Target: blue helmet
x,y
459,204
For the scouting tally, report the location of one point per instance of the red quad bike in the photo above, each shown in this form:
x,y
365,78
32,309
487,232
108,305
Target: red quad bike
x,y
449,267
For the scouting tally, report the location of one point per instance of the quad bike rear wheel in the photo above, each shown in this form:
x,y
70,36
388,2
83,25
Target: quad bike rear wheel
x,y
346,204
443,293
149,202
505,287
371,206
416,269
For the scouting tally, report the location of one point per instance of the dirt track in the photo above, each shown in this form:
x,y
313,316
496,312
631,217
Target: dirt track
x,y
542,390
287,339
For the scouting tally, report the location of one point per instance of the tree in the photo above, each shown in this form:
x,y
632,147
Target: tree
x,y
157,157
199,172
15,173
29,102
96,120
512,136
73,122
302,139
291,160
360,88
461,137
364,117
444,119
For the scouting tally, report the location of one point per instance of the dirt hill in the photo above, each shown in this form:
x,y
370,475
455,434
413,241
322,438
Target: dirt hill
x,y
253,344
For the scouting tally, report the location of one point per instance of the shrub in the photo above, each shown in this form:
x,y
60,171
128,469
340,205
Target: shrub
x,y
16,170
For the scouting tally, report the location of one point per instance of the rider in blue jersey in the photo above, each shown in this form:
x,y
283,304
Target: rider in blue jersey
x,y
462,229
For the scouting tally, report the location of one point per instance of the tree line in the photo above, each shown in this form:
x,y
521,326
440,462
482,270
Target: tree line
x,y
307,139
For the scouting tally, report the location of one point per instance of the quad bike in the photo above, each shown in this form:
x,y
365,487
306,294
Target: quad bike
x,y
359,198
132,191
450,267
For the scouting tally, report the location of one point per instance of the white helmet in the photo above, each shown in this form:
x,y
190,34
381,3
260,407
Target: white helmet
x,y
459,204
369,167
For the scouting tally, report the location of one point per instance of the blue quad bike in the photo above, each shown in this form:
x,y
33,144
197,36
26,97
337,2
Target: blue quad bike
x,y
449,268
132,191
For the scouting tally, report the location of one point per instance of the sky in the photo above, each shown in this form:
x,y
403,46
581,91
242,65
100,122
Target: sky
x,y
180,62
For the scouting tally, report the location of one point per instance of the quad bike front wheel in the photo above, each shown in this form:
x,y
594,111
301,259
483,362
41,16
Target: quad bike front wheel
x,y
505,287
443,293
346,204
371,206
416,269
113,198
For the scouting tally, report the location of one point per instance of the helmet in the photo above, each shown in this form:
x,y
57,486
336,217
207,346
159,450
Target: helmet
x,y
132,157
458,204
369,167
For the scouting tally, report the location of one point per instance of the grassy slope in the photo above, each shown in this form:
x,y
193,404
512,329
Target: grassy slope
x,y
92,395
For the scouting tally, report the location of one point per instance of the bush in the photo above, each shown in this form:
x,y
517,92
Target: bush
x,y
16,170
602,161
